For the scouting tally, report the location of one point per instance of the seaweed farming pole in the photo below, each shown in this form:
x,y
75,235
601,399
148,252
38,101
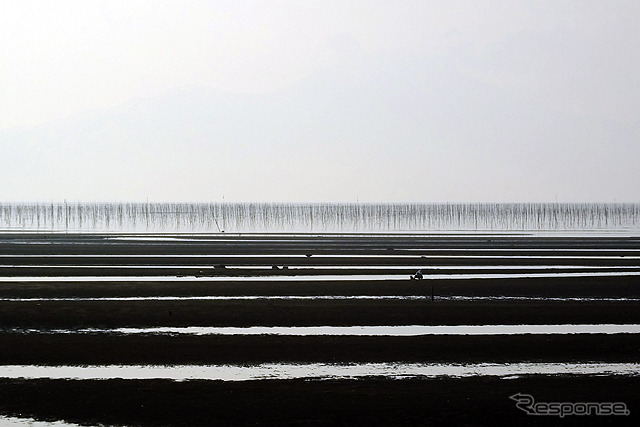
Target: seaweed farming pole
x,y
224,225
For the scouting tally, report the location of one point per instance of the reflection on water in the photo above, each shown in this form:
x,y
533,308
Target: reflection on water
x,y
431,253
321,269
284,371
239,298
30,422
409,330
321,297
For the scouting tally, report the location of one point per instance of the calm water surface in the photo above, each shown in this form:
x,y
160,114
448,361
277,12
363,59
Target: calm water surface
x,y
284,371
409,330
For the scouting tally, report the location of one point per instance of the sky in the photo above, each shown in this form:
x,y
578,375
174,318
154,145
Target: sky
x,y
320,101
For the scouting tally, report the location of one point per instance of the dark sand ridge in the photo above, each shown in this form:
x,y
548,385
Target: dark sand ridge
x,y
276,271
104,314
373,401
45,251
294,244
550,287
391,260
114,349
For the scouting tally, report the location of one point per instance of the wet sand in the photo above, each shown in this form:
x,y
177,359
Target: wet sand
x,y
111,314
98,349
373,401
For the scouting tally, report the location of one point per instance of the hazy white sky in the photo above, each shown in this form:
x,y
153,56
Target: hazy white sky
x,y
320,100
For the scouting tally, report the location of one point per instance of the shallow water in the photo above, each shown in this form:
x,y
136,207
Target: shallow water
x,y
545,253
284,371
290,270
406,330
319,297
231,298
30,422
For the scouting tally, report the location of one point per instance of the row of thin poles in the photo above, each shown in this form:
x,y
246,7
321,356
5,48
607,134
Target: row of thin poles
x,y
318,216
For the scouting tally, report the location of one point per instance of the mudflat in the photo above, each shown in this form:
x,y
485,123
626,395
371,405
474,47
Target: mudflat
x,y
371,401
159,349
53,285
114,314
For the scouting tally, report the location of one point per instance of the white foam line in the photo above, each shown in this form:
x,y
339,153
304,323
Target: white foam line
x,y
407,330
287,371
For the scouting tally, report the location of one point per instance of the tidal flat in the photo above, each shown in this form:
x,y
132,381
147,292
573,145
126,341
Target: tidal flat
x,y
114,283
